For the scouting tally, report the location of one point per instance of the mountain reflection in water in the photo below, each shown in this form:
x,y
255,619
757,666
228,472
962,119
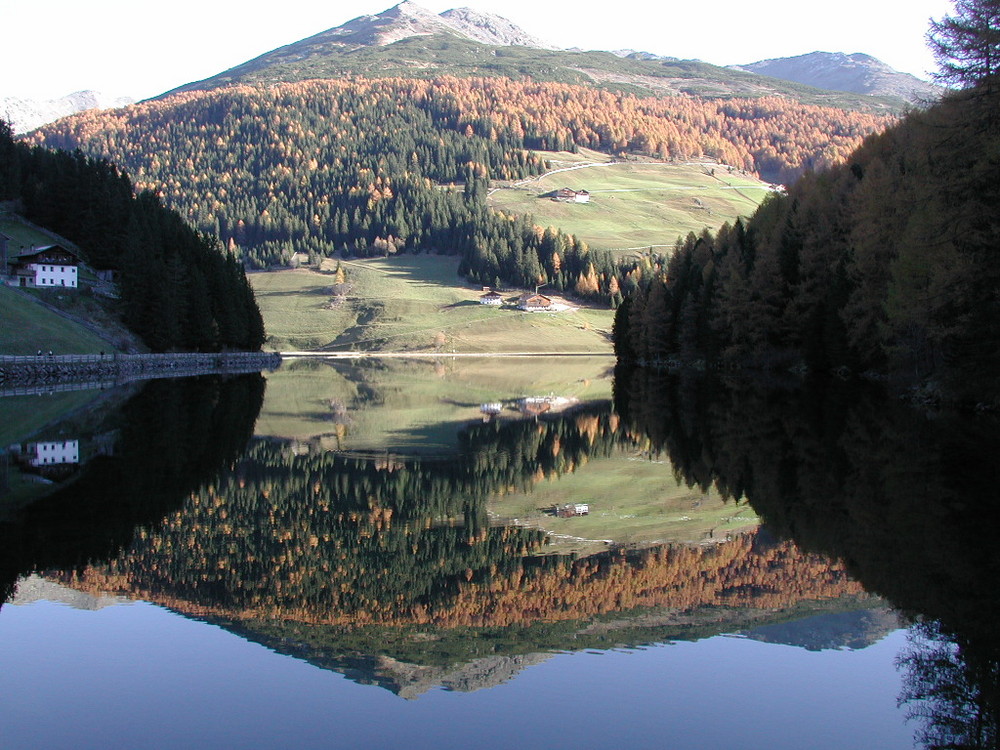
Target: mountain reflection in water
x,y
390,569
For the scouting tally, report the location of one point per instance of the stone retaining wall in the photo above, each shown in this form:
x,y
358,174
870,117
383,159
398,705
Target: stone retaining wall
x,y
31,372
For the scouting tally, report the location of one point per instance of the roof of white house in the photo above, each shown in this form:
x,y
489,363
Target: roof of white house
x,y
39,250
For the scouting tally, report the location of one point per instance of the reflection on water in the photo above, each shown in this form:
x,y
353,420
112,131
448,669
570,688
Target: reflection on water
x,y
904,498
407,569
168,439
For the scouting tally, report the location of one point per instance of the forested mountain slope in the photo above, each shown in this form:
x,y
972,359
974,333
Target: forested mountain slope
x,y
355,165
177,291
887,262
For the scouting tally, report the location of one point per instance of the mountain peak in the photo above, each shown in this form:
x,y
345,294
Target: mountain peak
x,y
490,29
402,21
407,9
398,22
407,19
857,73
28,114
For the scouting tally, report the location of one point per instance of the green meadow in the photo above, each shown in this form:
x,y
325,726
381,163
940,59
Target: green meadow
x,y
633,204
24,236
29,326
412,303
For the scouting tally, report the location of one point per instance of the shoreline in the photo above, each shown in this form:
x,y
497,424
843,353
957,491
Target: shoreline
x,y
28,374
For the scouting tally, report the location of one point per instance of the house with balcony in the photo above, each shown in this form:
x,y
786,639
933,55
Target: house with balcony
x,y
46,267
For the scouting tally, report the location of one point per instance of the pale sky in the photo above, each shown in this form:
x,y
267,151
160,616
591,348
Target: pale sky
x,y
141,49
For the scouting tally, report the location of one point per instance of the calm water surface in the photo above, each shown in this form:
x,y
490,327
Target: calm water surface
x,y
371,556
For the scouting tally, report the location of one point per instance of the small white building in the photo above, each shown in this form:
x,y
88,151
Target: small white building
x,y
54,453
45,267
492,298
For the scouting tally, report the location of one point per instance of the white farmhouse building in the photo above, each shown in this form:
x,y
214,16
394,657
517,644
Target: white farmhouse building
x,y
54,453
45,267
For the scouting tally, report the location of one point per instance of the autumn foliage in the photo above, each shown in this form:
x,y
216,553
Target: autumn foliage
x,y
731,574
322,167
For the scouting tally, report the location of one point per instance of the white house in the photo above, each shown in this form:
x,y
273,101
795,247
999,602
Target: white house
x,y
45,267
54,453
491,298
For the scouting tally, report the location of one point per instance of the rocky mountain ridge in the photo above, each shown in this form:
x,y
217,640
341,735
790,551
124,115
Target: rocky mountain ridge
x,y
27,114
407,41
856,73
407,19
403,21
491,29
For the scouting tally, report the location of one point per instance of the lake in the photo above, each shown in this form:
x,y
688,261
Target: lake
x,y
495,553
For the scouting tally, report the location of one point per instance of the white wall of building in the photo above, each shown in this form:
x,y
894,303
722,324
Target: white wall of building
x,y
48,275
59,452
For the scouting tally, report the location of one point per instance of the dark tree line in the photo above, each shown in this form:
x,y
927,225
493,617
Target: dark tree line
x,y
901,497
177,290
887,263
173,436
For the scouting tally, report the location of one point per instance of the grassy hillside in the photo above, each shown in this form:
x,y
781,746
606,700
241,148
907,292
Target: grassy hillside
x,y
414,303
25,236
65,321
28,327
633,204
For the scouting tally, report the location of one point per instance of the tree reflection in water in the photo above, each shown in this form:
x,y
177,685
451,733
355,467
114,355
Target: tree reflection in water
x,y
952,691
353,555
905,499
